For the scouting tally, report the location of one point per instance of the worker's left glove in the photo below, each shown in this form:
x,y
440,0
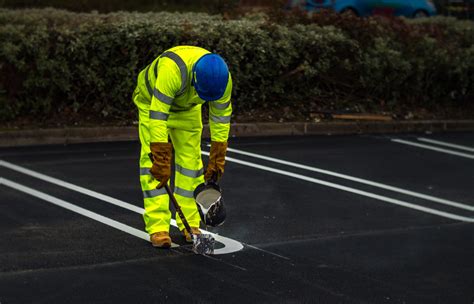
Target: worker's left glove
x,y
161,157
215,167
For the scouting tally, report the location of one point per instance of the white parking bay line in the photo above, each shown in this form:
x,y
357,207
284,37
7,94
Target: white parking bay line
x,y
71,207
230,245
443,143
70,186
351,190
356,179
415,144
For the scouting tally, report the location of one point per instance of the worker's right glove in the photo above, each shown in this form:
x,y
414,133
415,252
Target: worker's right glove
x,y
161,158
215,167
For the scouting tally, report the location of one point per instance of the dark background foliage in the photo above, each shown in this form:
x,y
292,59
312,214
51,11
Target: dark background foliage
x,y
107,6
56,64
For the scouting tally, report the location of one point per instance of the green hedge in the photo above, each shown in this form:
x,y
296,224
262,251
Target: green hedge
x,y
54,63
106,6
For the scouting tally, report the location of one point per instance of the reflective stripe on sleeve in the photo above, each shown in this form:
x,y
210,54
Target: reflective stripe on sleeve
x,y
162,97
189,172
145,171
220,119
182,68
185,193
156,68
158,115
220,106
154,192
147,81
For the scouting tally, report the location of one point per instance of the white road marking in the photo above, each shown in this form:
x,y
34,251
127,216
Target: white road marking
x,y
230,245
351,190
71,207
356,179
70,186
442,143
411,143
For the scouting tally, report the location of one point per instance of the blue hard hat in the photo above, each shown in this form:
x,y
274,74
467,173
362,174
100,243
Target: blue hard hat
x,y
210,76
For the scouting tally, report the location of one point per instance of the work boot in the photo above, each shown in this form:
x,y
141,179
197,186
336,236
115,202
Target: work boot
x,y
161,239
187,236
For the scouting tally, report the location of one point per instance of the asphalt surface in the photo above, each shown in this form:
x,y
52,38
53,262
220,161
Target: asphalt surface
x,y
310,236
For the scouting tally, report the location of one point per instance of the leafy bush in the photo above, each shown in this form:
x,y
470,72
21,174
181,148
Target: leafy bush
x,y
57,64
105,6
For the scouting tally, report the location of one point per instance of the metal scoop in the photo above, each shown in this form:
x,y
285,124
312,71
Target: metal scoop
x,y
202,243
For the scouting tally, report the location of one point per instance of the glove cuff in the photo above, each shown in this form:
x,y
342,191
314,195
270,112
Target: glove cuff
x,y
161,152
218,149
161,146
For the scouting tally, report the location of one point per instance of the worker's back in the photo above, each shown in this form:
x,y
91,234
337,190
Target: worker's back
x,y
174,66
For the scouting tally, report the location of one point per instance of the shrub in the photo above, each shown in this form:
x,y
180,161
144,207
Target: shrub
x,y
105,6
57,63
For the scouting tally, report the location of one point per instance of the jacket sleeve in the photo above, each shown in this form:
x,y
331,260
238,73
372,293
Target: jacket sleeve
x,y
168,83
220,112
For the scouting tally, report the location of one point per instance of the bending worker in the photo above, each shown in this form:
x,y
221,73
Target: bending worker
x,y
169,96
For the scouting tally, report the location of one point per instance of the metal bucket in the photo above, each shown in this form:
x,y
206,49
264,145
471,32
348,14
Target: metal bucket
x,y
210,203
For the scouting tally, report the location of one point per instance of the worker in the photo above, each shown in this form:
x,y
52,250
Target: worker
x,y
169,96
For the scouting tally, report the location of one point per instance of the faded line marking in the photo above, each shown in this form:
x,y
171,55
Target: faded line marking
x,y
231,245
356,179
443,143
227,263
269,252
411,143
351,190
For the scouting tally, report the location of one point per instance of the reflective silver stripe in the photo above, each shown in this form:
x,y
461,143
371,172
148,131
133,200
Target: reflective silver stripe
x,y
182,69
220,119
158,115
182,192
162,97
156,69
189,172
147,82
153,193
145,171
220,106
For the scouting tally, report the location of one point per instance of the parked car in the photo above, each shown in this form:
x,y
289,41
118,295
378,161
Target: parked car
x,y
407,8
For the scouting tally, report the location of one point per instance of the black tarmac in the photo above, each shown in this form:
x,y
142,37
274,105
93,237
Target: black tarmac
x,y
309,237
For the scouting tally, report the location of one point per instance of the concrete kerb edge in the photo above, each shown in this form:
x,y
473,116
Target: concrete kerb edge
x,y
13,138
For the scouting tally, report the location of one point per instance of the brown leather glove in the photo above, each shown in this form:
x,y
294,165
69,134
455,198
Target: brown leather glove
x,y
161,169
215,167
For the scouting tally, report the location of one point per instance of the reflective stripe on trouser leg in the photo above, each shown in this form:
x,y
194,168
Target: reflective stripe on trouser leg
x,y
185,131
157,214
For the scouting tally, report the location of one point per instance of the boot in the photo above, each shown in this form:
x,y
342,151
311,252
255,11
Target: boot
x,y
161,239
187,236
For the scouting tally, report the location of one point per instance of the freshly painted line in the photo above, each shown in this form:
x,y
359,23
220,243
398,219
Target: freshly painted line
x,y
230,245
71,207
442,143
351,190
356,179
411,143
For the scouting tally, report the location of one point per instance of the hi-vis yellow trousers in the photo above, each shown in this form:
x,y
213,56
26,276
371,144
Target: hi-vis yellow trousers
x,y
185,130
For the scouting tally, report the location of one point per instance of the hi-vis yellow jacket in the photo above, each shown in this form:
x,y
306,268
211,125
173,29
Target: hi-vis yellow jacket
x,y
166,82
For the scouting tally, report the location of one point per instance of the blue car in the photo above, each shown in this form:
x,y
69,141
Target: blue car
x,y
407,8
